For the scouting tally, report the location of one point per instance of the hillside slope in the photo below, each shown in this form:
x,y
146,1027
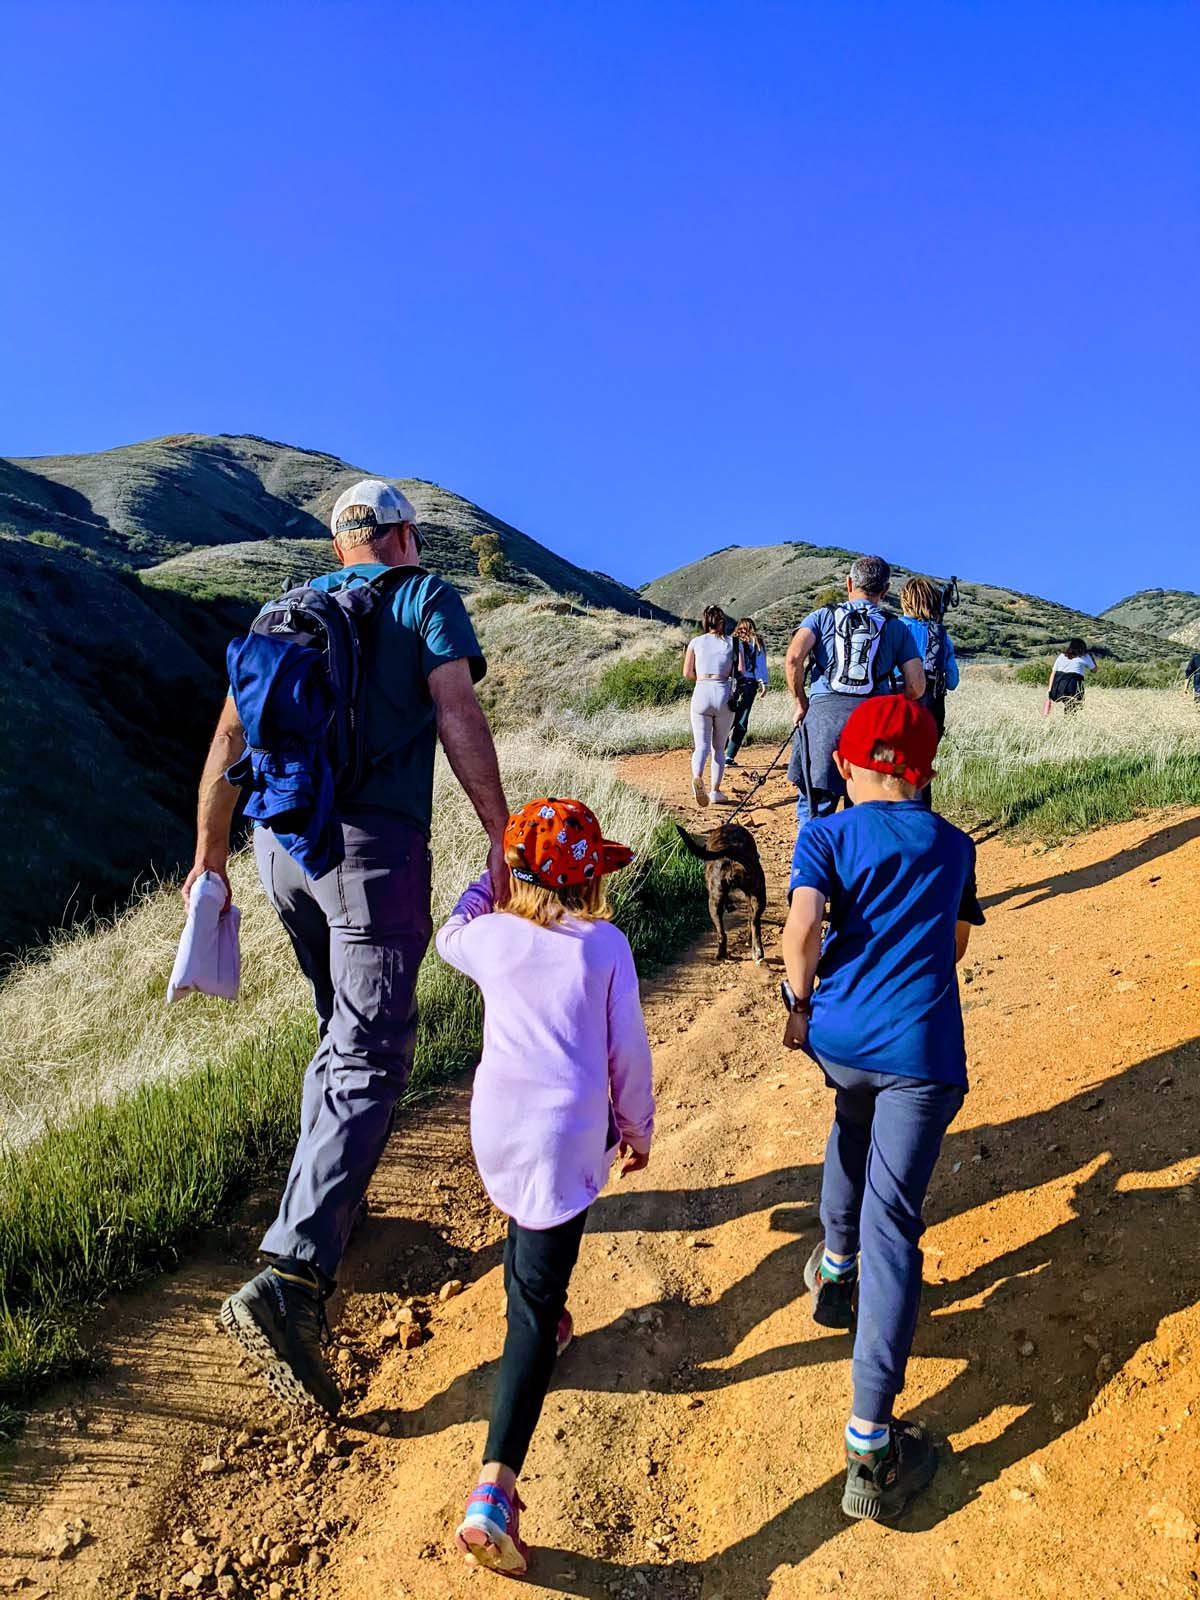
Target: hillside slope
x,y
144,504
778,584
1170,613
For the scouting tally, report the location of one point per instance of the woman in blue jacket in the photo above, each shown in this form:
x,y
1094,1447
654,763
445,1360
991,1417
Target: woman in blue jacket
x,y
749,681
921,605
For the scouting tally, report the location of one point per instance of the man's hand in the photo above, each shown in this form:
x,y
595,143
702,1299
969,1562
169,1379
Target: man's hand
x,y
632,1160
795,1034
801,710
498,872
218,870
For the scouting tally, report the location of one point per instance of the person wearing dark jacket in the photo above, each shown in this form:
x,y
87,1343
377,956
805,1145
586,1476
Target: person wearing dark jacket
x,y
360,929
749,682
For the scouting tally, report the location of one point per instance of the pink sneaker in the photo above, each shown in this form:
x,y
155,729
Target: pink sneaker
x,y
566,1331
489,1534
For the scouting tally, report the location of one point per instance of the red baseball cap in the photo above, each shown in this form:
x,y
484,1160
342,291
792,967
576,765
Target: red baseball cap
x,y
902,726
560,844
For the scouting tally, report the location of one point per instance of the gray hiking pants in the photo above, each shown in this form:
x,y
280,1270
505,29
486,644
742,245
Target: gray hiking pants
x,y
359,934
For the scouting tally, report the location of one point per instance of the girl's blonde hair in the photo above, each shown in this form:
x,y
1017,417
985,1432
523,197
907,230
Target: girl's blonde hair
x,y
545,906
920,598
747,630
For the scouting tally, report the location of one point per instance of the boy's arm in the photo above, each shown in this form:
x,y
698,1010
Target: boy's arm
x,y
801,953
962,938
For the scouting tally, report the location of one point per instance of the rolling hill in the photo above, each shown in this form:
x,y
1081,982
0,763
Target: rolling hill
x,y
778,585
122,576
1169,613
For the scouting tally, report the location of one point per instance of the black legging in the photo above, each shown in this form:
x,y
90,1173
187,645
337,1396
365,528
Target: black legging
x,y
745,691
538,1263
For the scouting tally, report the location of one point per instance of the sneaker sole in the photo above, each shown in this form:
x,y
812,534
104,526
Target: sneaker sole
x,y
502,1555
700,792
884,1507
239,1323
826,1318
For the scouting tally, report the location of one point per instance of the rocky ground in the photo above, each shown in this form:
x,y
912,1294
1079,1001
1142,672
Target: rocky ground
x,y
691,1444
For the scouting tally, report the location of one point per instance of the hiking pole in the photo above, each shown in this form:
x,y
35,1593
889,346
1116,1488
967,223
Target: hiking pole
x,y
758,782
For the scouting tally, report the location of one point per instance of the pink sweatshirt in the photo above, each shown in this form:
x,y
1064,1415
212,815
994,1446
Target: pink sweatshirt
x,y
565,1071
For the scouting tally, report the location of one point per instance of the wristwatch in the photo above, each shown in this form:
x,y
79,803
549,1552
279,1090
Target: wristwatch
x,y
794,1003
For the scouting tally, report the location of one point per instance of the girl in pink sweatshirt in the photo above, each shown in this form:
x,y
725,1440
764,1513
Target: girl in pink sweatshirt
x,y
563,1087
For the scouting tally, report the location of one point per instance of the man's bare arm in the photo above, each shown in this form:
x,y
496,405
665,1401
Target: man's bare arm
x,y
218,800
467,741
913,674
794,666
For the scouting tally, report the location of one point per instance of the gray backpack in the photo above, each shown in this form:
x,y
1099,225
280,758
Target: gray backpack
x,y
857,634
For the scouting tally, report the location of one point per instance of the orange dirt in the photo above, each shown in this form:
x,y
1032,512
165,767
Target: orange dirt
x,y
691,1445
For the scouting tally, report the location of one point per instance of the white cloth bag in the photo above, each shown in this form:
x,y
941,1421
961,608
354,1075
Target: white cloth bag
x,y
209,960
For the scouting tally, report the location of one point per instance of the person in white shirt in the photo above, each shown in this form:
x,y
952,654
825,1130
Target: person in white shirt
x,y
709,665
1066,676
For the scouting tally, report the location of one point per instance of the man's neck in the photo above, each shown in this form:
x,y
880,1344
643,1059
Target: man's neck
x,y
364,556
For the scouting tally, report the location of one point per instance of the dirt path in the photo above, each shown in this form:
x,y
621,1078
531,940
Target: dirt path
x,y
691,1446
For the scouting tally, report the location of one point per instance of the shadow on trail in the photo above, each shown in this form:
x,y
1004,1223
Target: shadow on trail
x,y
1088,1294
1101,872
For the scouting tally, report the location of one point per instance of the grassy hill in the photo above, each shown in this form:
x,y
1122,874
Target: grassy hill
x,y
1170,613
122,577
778,584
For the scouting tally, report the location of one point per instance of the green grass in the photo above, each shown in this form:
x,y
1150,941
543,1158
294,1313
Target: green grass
x,y
120,1190
639,681
1054,799
1162,674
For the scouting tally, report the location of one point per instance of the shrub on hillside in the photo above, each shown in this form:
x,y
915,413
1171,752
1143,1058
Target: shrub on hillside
x,y
490,554
634,682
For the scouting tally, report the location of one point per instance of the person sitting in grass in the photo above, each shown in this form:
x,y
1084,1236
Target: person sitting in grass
x,y
562,1088
1066,676
885,1027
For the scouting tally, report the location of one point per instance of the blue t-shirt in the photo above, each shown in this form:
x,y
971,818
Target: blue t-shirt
x,y
898,878
425,627
895,648
919,630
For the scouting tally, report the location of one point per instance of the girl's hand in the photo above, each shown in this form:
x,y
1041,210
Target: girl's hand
x,y
632,1160
762,689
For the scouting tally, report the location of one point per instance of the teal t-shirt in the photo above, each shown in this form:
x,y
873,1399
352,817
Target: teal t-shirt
x,y
425,627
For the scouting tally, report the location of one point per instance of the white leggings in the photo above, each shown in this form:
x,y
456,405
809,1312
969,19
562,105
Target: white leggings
x,y
712,718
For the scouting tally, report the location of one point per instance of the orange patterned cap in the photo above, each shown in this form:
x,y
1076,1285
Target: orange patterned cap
x,y
560,844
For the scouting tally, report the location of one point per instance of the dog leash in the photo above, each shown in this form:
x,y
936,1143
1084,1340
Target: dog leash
x,y
758,782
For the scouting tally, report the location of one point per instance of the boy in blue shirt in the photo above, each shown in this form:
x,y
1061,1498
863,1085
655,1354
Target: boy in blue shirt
x,y
885,1026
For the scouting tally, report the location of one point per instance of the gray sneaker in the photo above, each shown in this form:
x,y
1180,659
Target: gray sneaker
x,y
278,1319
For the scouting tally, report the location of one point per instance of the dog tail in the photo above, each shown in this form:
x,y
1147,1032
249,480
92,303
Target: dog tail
x,y
694,847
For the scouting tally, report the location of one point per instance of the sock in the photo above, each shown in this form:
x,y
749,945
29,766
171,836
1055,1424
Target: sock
x,y
869,1441
835,1270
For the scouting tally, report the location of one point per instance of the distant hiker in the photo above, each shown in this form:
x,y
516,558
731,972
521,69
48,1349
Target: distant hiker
x,y
854,650
359,929
1191,675
885,1026
921,613
1066,676
749,681
563,1088
708,663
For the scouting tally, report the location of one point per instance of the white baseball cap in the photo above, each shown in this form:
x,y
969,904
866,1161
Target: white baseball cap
x,y
384,504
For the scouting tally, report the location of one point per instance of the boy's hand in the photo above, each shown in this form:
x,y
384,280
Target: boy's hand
x,y
795,1034
632,1160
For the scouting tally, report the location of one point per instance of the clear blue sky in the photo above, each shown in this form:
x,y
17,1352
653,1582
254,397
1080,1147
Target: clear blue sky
x,y
645,280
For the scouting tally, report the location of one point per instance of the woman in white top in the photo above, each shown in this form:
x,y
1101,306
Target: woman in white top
x,y
1066,676
709,664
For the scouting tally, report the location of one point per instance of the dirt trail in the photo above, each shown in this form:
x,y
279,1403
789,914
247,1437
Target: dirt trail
x,y
691,1445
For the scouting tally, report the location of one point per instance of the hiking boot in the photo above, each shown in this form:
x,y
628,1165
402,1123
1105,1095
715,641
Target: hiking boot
x,y
832,1301
877,1491
278,1319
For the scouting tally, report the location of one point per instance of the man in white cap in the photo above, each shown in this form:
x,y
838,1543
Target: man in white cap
x,y
361,931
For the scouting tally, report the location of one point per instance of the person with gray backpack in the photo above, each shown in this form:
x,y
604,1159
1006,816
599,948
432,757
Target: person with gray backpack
x,y
852,650
339,695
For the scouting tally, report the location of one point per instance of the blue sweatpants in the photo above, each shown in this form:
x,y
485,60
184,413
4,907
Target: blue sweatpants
x,y
886,1137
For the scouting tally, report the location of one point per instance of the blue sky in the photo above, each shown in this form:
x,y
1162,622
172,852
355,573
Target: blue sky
x,y
645,280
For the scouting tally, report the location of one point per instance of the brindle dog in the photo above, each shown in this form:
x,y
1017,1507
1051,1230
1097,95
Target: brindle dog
x,y
732,866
